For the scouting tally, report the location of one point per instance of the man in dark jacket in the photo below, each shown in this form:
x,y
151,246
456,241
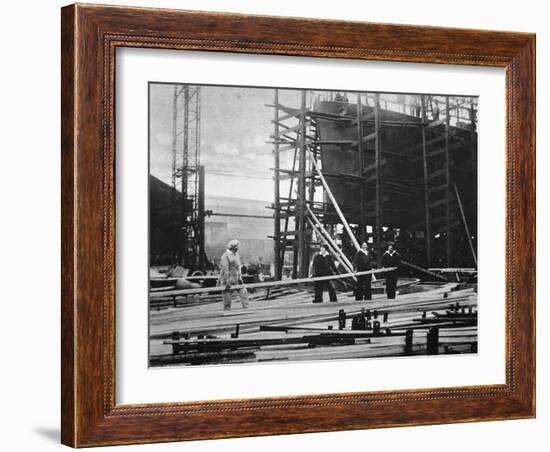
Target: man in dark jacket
x,y
362,262
323,265
391,258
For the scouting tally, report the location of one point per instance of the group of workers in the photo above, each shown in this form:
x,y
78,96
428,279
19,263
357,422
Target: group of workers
x,y
322,264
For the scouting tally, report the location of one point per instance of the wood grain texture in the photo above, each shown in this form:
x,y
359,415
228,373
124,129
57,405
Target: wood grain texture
x,y
90,36
67,226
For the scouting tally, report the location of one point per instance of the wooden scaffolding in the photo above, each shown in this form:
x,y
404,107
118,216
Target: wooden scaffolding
x,y
303,220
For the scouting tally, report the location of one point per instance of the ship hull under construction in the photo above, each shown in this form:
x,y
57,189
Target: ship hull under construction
x,y
408,177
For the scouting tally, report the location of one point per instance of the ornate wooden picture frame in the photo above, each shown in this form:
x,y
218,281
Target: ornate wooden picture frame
x,y
90,37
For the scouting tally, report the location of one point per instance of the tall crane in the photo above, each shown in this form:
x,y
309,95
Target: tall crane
x,y
187,212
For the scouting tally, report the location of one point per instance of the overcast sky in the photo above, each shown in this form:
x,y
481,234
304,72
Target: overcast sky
x,y
235,125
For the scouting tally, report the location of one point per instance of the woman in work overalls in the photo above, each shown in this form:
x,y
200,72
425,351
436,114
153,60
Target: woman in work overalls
x,y
230,275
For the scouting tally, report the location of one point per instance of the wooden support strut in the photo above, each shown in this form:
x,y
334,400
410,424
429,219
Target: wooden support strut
x,y
331,247
261,285
326,242
362,170
336,206
378,185
184,177
277,200
328,238
448,183
428,272
466,229
287,218
427,225
301,211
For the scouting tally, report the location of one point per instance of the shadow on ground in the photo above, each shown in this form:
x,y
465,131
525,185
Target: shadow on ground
x,y
50,433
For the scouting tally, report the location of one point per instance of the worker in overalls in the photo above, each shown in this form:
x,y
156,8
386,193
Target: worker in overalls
x,y
391,258
230,275
362,262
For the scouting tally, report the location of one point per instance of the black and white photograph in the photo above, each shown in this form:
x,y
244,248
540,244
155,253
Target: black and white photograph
x,y
292,224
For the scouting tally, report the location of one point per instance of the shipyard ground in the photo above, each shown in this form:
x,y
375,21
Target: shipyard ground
x,y
286,326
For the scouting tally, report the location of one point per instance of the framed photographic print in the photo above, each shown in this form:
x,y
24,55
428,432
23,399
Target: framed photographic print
x,y
281,225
